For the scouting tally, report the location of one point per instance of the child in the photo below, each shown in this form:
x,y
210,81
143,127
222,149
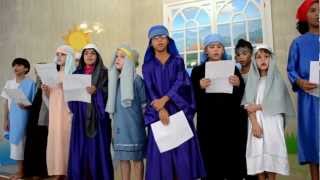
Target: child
x,y
59,116
169,90
243,56
303,50
16,115
90,156
126,100
35,165
218,122
244,52
268,103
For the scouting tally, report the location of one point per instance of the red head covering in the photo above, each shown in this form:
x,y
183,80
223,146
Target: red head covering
x,y
303,10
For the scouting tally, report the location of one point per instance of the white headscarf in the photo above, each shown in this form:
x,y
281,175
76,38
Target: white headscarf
x,y
70,65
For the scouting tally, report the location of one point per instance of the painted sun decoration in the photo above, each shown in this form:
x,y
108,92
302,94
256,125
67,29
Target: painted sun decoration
x,y
77,38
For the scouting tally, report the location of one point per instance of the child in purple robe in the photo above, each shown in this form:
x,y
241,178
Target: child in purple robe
x,y
169,90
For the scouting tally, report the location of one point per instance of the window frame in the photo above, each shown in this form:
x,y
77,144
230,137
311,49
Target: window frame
x,y
265,10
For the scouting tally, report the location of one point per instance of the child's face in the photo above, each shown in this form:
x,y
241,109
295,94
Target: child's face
x,y
160,43
61,58
313,15
263,60
243,56
215,51
90,56
19,69
120,58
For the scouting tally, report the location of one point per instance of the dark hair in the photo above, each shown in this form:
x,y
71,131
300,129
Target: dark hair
x,y
302,27
244,44
82,64
21,61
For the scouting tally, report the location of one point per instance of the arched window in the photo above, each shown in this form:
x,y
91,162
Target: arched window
x,y
189,21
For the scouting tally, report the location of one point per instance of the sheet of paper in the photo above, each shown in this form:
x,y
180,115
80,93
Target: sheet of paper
x,y
315,92
74,87
174,134
18,96
218,72
48,73
314,72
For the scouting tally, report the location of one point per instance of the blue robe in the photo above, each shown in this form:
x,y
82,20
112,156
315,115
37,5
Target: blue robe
x,y
90,157
129,139
171,79
18,117
304,49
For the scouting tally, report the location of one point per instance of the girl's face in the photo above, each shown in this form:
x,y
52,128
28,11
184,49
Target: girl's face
x,y
19,69
263,60
160,43
120,58
313,15
61,58
243,56
90,56
215,51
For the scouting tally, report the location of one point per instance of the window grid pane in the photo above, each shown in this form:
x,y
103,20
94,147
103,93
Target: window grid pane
x,y
234,19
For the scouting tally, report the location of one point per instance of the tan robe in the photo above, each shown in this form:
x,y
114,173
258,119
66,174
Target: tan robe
x,y
59,131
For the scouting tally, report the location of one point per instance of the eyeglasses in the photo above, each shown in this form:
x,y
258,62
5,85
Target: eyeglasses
x,y
159,37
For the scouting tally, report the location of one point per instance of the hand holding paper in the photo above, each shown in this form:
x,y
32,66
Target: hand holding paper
x,y
172,135
314,77
18,96
48,73
75,87
219,72
314,72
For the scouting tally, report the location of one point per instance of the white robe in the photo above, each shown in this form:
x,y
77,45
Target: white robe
x,y
268,153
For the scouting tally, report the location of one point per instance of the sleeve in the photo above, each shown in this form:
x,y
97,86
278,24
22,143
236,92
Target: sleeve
x,y
293,63
181,93
195,79
150,115
147,74
141,92
239,91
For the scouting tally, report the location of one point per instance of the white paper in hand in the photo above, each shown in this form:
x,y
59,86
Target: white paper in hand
x,y
18,96
314,72
74,87
218,72
174,134
48,73
314,77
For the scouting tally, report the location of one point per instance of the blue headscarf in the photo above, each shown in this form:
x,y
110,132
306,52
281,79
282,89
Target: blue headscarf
x,y
159,30
213,39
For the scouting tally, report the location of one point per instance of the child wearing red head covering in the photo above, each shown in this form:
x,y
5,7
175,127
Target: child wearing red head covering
x,y
305,49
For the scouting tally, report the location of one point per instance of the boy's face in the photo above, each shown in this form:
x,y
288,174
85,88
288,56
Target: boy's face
x,y
243,56
160,43
313,15
263,60
215,51
61,58
120,58
90,56
19,69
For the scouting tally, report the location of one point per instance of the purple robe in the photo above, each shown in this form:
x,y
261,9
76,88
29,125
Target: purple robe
x,y
90,157
171,79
